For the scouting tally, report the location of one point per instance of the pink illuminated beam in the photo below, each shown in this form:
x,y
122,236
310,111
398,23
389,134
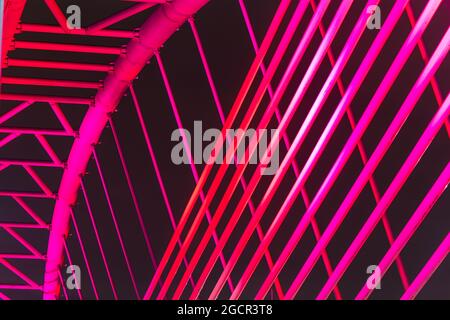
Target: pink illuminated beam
x,y
222,119
59,65
19,287
381,149
69,259
83,253
116,224
23,242
37,179
13,112
287,143
57,14
38,28
99,242
372,54
425,57
14,256
47,46
155,164
284,122
133,193
4,297
298,14
27,131
119,17
9,138
30,163
411,226
23,226
363,154
30,212
25,194
331,126
391,192
187,148
62,118
430,267
351,43
155,31
21,275
39,98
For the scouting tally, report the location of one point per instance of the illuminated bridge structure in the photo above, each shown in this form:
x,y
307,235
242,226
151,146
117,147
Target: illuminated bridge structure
x,y
86,176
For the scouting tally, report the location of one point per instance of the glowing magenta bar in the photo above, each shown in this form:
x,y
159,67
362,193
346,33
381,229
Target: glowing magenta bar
x,y
20,274
69,258
19,287
48,148
22,241
219,108
25,194
83,253
287,116
46,46
189,154
23,226
363,154
38,180
373,162
4,297
38,98
155,163
273,28
430,267
410,228
59,65
9,138
155,31
62,118
122,15
57,13
375,103
133,193
30,211
8,115
40,28
42,164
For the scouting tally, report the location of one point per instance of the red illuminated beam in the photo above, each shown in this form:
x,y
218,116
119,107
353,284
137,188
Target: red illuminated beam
x,y
269,112
119,17
59,65
47,46
155,31
394,188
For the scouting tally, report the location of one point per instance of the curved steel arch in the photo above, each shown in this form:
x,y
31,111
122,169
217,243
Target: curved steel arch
x,y
155,31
